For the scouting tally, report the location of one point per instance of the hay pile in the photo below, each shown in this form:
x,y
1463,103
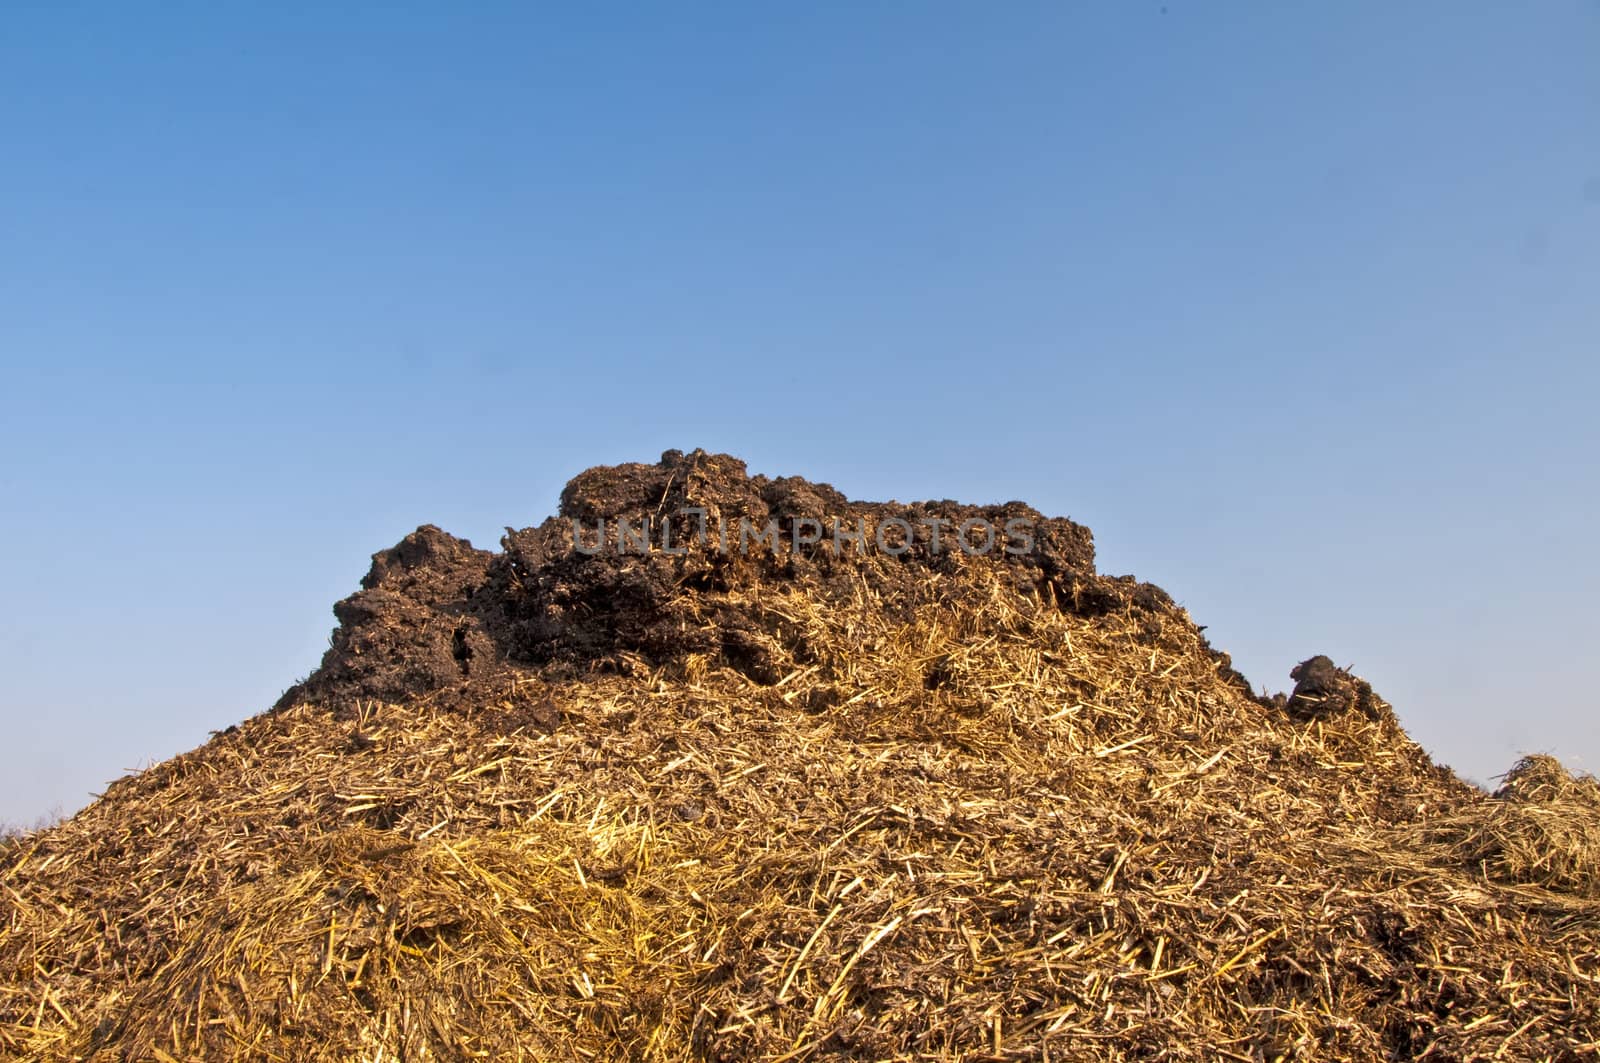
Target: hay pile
x,y
546,804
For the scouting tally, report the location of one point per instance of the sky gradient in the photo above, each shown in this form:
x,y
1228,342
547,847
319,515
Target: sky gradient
x,y
1296,307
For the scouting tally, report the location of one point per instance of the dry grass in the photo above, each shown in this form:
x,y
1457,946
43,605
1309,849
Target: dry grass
x,y
1541,828
15,834
995,832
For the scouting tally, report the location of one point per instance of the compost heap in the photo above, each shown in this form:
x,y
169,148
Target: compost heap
x,y
790,803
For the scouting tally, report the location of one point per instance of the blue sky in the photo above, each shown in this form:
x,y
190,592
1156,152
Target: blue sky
x,y
1295,305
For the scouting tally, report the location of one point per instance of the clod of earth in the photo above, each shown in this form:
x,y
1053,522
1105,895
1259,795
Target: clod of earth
x,y
706,799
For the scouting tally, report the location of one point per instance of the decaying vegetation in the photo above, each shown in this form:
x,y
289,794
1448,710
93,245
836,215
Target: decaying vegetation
x,y
541,805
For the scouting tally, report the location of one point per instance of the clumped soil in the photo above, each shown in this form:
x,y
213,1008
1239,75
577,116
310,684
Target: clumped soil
x,y
437,619
550,802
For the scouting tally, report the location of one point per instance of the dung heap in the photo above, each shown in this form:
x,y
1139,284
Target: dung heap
x,y
721,767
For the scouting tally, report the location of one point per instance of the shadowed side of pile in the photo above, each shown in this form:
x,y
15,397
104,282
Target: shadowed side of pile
x,y
984,826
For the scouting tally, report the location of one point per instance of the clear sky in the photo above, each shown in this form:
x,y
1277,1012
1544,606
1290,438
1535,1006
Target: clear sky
x,y
1297,306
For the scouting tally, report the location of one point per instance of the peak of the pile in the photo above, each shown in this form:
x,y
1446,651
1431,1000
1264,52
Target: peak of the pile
x,y
685,561
715,501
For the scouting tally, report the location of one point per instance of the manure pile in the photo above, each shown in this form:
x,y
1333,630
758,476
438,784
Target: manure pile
x,y
892,800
